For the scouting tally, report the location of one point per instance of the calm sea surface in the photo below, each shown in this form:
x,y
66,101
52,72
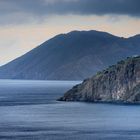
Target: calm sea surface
x,y
29,111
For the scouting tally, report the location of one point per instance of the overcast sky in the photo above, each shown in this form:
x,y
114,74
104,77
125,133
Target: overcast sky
x,y
24,24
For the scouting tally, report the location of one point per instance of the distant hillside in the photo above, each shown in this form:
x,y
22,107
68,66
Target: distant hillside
x,y
73,56
118,83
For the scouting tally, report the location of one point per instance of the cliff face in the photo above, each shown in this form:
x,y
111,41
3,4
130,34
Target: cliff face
x,y
118,83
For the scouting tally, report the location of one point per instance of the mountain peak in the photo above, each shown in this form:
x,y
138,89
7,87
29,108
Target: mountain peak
x,y
91,32
72,56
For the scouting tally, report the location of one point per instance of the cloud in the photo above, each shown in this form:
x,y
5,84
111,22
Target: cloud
x,y
18,11
98,7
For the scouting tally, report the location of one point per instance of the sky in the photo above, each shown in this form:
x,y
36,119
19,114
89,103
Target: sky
x,y
25,24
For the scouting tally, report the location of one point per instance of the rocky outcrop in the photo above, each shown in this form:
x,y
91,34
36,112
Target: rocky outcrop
x,y
118,83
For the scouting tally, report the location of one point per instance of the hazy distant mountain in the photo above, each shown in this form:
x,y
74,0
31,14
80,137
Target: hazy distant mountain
x,y
73,56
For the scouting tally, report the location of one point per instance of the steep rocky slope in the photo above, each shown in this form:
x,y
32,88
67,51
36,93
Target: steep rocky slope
x,y
118,83
73,56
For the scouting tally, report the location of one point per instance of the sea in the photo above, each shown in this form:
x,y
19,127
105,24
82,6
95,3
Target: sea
x,y
29,110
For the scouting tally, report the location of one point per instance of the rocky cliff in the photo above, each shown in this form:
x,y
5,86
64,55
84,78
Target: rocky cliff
x,y
118,83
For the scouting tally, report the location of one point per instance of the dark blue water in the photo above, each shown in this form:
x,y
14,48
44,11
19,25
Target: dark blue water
x,y
29,111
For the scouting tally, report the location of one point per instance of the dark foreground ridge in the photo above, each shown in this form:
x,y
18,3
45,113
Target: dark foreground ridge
x,y
119,83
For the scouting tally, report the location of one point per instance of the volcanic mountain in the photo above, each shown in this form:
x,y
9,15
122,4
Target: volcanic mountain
x,y
72,56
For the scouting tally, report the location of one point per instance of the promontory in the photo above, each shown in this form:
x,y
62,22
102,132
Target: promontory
x,y
118,83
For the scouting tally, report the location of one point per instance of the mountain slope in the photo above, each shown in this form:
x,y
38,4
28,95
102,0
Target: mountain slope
x,y
118,83
73,56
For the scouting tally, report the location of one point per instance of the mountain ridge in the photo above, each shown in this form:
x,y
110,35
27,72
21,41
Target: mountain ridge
x,y
72,56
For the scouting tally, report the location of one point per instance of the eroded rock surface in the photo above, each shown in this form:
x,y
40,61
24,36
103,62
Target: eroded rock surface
x,y
118,83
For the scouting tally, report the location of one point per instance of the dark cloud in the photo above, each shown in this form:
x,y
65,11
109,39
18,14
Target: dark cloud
x,y
98,7
14,9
